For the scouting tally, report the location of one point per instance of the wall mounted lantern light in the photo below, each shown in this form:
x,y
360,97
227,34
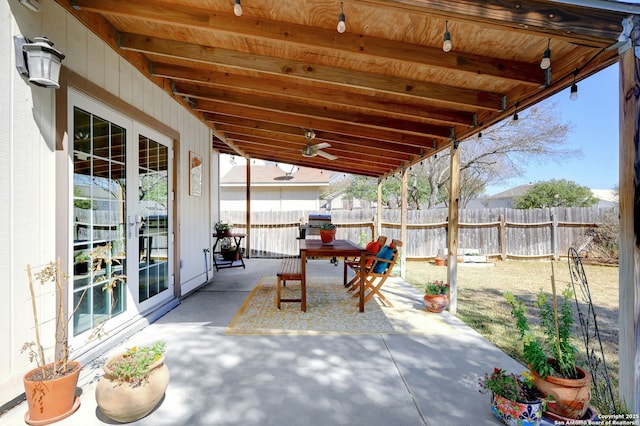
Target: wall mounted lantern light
x,y
43,62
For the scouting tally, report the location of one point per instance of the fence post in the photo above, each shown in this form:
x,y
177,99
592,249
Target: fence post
x,y
502,231
554,236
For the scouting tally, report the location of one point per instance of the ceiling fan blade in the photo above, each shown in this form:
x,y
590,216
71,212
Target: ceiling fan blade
x,y
326,155
321,145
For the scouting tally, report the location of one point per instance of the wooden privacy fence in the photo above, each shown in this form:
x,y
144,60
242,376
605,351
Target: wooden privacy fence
x,y
502,233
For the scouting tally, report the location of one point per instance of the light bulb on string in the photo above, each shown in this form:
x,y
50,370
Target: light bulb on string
x,y
546,57
446,45
237,8
574,88
342,26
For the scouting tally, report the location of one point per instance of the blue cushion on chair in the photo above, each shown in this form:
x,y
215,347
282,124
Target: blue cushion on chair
x,y
385,252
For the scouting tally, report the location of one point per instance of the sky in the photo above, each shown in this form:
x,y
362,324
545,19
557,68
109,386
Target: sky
x,y
594,131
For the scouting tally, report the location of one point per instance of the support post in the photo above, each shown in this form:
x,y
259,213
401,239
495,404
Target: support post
x,y
247,240
629,256
404,208
378,224
502,235
452,235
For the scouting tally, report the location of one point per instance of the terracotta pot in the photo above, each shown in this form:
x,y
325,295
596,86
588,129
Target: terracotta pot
x,y
230,255
514,413
327,235
51,400
125,403
224,233
590,415
436,303
440,262
571,396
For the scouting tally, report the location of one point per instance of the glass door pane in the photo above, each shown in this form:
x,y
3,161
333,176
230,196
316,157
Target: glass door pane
x,y
99,196
153,196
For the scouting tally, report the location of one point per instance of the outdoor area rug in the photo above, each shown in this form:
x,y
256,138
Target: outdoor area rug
x,y
331,309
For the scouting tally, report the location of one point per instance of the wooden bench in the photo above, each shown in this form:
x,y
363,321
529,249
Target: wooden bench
x,y
291,270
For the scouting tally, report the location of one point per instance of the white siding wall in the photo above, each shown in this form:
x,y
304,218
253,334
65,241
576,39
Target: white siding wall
x,y
270,199
28,168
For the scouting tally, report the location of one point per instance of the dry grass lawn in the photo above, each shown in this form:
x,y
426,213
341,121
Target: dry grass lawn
x,y
481,304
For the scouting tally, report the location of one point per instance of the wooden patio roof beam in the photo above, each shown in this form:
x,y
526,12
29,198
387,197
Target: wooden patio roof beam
x,y
309,122
204,78
289,33
338,114
310,71
372,156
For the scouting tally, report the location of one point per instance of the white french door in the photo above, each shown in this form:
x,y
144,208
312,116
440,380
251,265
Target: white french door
x,y
122,176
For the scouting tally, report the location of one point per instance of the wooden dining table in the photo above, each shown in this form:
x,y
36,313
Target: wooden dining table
x,y
338,249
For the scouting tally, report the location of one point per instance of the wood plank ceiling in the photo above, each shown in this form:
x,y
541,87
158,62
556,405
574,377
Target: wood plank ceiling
x,y
383,94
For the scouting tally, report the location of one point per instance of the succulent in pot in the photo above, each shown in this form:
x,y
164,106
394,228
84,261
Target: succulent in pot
x,y
134,382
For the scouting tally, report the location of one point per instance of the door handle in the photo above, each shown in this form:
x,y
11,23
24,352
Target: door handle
x,y
135,225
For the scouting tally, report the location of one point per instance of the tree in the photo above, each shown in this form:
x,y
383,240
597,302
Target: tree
x,y
500,154
556,193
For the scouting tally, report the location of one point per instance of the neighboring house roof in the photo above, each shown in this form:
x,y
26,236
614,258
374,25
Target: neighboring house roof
x,y
605,195
517,191
274,176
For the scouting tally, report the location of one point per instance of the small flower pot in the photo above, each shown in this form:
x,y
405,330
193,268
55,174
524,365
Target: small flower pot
x,y
515,413
230,255
51,400
436,303
440,262
327,235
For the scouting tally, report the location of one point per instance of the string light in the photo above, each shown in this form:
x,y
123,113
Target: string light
x,y
342,26
546,57
446,45
574,88
237,8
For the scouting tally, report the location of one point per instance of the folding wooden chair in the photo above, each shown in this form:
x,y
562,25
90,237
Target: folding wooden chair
x,y
375,275
354,263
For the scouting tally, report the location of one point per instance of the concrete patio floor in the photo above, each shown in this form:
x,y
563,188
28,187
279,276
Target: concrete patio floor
x,y
217,379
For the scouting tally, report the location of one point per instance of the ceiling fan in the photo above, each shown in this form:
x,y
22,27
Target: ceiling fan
x,y
311,150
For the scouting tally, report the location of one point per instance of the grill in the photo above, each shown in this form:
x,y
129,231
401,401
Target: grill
x,y
314,224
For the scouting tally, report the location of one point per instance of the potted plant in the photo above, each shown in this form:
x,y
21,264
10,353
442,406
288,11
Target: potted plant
x,y
552,359
134,382
223,229
327,232
514,399
81,263
228,250
50,388
436,297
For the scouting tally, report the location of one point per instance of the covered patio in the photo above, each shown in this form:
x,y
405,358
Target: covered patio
x,y
395,83
371,87
366,379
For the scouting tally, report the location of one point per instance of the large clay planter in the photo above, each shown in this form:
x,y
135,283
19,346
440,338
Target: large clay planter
x,y
571,396
515,413
125,403
51,400
327,235
436,303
